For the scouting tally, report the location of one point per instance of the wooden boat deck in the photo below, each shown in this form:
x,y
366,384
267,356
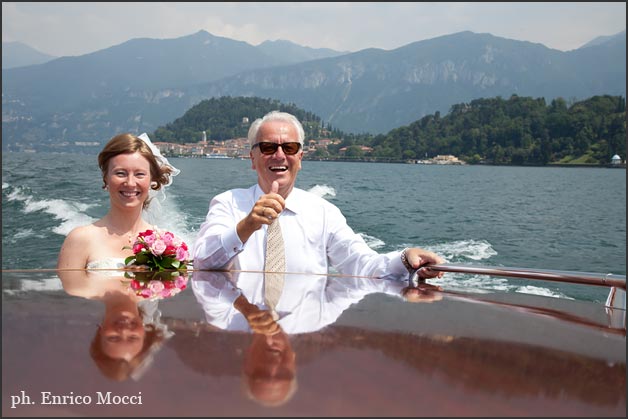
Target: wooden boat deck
x,y
493,354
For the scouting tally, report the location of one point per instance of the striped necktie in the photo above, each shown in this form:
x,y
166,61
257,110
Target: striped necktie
x,y
274,267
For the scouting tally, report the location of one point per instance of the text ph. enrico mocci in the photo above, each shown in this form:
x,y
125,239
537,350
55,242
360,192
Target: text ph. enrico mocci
x,y
100,397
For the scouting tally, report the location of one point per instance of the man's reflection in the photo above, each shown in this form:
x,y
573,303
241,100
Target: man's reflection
x,y
130,331
270,369
269,365
234,301
307,304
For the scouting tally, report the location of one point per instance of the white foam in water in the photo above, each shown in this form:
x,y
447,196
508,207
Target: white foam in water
x,y
530,289
27,232
460,252
373,242
71,213
322,191
465,249
16,194
479,284
165,214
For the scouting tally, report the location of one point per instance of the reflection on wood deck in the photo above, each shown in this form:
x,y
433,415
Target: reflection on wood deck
x,y
349,347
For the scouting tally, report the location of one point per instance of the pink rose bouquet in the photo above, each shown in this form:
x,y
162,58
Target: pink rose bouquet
x,y
159,250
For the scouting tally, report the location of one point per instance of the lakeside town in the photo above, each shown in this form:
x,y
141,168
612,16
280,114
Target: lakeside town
x,y
238,148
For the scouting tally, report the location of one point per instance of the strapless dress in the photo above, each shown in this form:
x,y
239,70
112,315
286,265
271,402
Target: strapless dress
x,y
106,263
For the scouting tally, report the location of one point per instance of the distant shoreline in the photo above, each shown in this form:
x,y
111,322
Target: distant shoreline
x,y
345,160
600,166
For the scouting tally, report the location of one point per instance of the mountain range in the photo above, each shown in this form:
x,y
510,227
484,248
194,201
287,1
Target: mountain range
x,y
18,54
145,83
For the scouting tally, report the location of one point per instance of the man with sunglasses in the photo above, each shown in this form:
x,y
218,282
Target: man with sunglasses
x,y
315,232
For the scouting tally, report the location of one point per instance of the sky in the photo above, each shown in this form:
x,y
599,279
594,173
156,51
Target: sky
x,y
66,29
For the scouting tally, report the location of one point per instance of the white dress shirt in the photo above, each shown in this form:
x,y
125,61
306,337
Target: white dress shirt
x,y
316,237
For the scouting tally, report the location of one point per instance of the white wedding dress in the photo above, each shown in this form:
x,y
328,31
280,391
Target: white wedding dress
x,y
106,263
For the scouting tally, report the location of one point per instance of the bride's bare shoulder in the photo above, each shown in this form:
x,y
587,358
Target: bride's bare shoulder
x,y
77,246
86,231
81,240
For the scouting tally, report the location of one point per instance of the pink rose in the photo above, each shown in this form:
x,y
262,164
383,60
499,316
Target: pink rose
x,y
180,282
158,247
150,239
156,286
182,254
168,238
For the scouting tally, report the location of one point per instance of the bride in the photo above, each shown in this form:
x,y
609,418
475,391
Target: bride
x,y
130,332
131,168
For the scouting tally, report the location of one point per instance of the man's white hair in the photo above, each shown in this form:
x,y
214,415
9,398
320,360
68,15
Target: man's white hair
x,y
275,116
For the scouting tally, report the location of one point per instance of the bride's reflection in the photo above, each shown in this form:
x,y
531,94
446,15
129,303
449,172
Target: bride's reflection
x,y
131,331
234,301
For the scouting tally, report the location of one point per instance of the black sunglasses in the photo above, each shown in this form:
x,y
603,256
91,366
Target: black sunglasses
x,y
269,148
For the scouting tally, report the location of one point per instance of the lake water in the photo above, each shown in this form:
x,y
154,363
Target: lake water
x,y
529,217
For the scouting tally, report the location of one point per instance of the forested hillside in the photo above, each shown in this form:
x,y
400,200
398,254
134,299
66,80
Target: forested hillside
x,y
518,130
223,118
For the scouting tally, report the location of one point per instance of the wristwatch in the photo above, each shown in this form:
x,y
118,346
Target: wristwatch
x,y
404,260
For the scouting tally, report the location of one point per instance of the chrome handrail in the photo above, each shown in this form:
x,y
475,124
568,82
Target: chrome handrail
x,y
616,298
590,278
